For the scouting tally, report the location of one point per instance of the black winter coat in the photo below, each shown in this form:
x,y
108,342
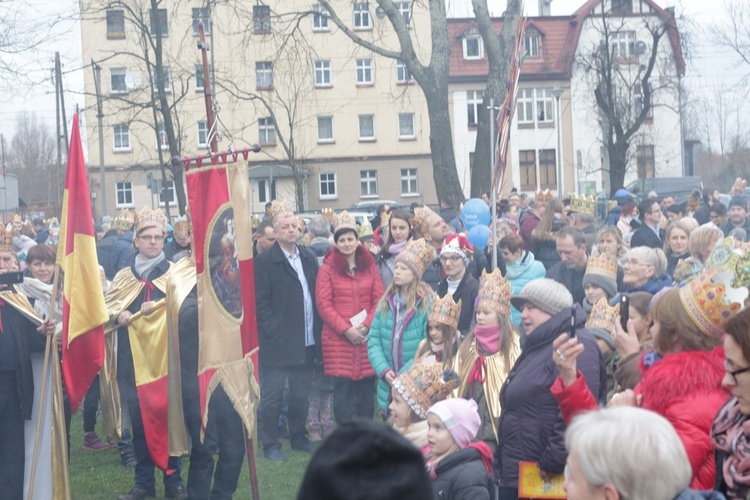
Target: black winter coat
x,y
462,476
122,255
104,253
644,236
125,369
188,332
467,292
280,307
27,340
531,427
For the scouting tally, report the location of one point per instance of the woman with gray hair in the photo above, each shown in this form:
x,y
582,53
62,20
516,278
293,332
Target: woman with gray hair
x,y
645,270
627,453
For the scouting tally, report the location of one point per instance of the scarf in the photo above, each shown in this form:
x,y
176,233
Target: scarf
x,y
650,358
41,293
436,348
416,433
396,248
731,434
488,338
144,266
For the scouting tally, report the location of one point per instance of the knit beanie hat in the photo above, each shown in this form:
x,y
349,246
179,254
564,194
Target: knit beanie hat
x,y
738,201
368,461
460,417
544,294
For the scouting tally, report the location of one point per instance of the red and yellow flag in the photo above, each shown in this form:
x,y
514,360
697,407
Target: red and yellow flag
x,y
220,207
84,313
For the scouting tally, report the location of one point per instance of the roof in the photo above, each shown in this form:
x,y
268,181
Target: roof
x,y
265,171
559,37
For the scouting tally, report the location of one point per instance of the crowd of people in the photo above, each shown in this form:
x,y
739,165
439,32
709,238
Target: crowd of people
x,y
613,358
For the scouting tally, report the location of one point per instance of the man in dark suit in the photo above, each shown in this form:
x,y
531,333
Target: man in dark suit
x,y
649,233
288,331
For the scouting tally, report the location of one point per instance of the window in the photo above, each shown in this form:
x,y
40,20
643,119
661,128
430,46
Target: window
x,y
404,8
525,106
121,135
622,6
409,182
545,106
264,75
362,19
322,73
266,131
117,80
403,75
124,194
547,169
261,19
320,18
328,186
364,71
527,169
263,194
166,193
202,134
623,44
325,129
199,77
532,45
645,162
167,81
161,134
366,127
474,105
115,24
201,15
368,183
406,126
158,22
473,47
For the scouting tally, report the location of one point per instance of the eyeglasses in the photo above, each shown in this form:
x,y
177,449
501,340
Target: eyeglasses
x,y
151,238
451,258
635,263
734,373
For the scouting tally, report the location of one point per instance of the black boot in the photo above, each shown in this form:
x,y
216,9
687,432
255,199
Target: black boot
x,y
137,493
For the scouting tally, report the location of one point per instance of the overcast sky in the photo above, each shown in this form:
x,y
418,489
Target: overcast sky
x,y
708,69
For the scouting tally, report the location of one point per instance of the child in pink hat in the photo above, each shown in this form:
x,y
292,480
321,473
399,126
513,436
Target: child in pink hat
x,y
459,467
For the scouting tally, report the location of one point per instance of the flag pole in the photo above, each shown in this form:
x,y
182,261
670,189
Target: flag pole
x,y
213,155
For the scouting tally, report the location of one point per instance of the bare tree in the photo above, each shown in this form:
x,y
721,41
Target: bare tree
x,y
31,158
626,85
734,32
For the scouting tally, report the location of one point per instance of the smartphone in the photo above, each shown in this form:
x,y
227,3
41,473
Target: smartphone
x,y
572,332
624,312
11,278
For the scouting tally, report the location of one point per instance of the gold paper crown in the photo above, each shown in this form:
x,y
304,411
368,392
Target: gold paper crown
x,y
344,221
425,384
422,218
603,316
255,221
327,213
724,257
280,209
543,196
365,230
150,218
16,218
710,301
124,220
181,225
6,239
52,220
444,311
611,204
417,255
582,204
739,186
494,292
603,265
301,224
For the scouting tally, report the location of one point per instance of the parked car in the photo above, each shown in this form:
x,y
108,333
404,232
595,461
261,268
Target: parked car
x,y
372,206
677,187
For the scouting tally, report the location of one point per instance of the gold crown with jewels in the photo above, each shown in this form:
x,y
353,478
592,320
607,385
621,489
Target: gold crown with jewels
x,y
425,384
124,220
582,204
344,221
494,292
445,311
280,209
603,265
603,316
543,196
423,216
148,217
711,301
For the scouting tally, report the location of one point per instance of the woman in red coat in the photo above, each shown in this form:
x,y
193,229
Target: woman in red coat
x,y
347,292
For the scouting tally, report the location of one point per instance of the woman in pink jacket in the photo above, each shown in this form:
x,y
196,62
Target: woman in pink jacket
x,y
347,292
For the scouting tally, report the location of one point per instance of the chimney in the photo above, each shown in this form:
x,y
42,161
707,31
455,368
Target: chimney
x,y
544,8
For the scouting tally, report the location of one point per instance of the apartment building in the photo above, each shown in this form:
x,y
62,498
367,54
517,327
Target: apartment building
x,y
351,122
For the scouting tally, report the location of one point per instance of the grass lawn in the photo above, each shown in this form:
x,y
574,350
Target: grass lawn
x,y
99,475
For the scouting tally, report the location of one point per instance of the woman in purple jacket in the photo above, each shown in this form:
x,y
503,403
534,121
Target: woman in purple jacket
x,y
531,428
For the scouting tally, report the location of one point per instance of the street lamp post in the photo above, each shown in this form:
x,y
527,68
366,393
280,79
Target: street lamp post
x,y
557,92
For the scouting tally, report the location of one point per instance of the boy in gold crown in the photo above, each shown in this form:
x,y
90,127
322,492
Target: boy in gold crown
x,y
136,289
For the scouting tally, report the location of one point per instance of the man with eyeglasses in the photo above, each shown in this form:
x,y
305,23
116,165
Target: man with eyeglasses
x,y
455,257
134,289
649,233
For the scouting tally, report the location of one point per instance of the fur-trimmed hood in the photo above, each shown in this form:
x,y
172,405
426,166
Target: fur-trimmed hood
x,y
683,373
362,257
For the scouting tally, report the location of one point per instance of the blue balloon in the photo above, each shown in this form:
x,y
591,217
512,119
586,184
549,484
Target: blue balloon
x,y
475,212
479,236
